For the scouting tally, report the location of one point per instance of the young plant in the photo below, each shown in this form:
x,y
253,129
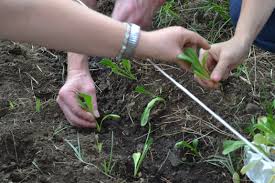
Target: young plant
x,y
198,68
193,146
142,90
108,165
37,104
122,69
99,145
138,157
109,116
86,103
146,113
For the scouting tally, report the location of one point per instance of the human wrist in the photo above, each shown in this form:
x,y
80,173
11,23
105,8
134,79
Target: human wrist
x,y
244,42
77,63
143,49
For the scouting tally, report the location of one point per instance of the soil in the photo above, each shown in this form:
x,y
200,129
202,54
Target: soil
x,y
34,148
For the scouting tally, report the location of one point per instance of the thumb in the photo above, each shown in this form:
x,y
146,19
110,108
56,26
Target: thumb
x,y
221,70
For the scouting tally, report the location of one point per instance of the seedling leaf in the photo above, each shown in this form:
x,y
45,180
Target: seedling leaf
x,y
142,90
183,144
249,166
37,104
260,139
136,157
236,177
86,102
147,110
126,64
231,145
198,67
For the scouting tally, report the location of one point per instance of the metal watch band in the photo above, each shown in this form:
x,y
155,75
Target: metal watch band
x,y
125,41
133,41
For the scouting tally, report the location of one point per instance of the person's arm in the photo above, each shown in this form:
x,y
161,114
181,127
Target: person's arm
x,y
254,15
226,56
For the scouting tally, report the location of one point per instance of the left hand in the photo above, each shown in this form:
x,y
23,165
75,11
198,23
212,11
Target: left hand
x,y
222,59
139,12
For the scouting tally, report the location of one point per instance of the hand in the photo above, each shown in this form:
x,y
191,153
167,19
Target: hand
x,y
78,81
136,11
166,44
223,58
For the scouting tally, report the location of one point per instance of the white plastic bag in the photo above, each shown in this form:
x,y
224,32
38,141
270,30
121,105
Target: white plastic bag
x,y
262,171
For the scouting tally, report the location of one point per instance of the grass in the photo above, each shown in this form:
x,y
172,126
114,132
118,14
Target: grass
x,y
167,14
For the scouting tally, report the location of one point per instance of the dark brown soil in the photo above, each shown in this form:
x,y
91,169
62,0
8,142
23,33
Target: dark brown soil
x,y
33,144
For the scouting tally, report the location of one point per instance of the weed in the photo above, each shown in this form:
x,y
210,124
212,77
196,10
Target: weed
x,y
199,68
167,14
109,116
146,113
142,90
37,104
108,165
12,105
122,69
138,157
193,146
226,162
221,9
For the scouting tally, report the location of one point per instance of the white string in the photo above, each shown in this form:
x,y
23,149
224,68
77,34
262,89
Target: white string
x,y
213,113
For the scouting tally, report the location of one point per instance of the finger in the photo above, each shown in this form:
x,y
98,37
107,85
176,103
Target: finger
x,y
198,40
221,70
73,119
72,103
207,83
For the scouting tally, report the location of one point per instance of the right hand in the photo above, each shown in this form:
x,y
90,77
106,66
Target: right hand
x,y
166,44
223,58
78,81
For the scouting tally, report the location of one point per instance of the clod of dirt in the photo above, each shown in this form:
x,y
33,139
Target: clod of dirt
x,y
174,159
4,107
252,108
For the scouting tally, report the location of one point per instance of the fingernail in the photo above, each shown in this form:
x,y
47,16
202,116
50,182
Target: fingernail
x,y
96,113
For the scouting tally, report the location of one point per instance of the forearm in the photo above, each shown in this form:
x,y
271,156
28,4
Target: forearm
x,y
61,24
254,15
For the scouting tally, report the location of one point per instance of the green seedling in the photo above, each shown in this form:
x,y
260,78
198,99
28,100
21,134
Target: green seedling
x,y
226,162
12,105
199,68
108,165
142,90
86,102
122,69
138,157
109,116
37,104
193,146
146,113
78,154
99,145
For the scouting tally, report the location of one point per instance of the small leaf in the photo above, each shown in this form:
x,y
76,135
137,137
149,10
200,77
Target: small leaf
x,y
249,166
236,178
185,58
260,139
147,110
183,144
273,104
126,64
86,102
136,157
37,104
111,116
231,145
142,90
